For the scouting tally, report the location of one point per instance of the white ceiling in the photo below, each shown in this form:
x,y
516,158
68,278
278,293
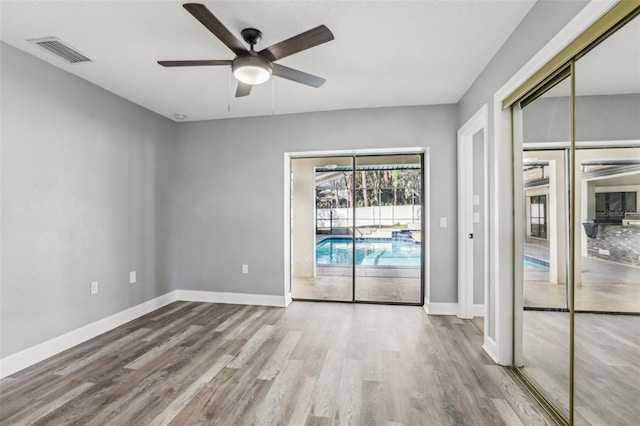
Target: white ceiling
x,y
385,53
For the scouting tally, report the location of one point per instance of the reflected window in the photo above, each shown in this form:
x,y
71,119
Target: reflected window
x,y
539,216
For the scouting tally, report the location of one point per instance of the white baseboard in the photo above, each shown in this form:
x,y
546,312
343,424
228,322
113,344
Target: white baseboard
x,y
232,298
27,357
491,348
441,308
477,310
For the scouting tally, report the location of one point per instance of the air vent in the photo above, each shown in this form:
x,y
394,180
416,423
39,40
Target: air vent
x,y
60,49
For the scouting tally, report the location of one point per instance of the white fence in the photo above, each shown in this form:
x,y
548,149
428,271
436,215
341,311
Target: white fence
x,y
368,216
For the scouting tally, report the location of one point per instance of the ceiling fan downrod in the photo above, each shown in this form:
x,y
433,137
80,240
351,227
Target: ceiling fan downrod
x,y
252,36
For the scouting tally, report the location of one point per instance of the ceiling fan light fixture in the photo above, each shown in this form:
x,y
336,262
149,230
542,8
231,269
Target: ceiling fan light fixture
x,y
251,69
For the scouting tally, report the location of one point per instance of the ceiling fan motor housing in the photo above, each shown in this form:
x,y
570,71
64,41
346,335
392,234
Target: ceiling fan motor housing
x,y
251,36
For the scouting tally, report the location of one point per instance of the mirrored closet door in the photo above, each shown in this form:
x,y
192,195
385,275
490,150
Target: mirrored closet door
x,y
577,235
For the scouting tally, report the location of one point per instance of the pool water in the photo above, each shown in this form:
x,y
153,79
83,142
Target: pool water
x,y
535,264
369,251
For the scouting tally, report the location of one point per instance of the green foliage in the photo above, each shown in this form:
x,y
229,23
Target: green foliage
x,y
399,187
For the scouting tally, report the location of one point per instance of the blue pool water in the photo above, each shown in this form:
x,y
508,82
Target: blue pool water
x,y
532,263
369,251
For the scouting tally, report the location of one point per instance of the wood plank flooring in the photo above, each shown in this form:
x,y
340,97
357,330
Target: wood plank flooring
x,y
312,363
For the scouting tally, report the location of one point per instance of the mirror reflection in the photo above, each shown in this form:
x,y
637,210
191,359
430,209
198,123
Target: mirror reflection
x,y
545,289
599,287
607,234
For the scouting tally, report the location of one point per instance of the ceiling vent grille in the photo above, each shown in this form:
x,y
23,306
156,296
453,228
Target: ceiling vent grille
x,y
60,49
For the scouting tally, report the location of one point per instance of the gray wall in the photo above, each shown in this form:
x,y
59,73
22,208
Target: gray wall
x,y
86,195
230,190
545,19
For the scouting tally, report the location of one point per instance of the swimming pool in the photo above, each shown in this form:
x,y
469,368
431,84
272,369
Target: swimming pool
x,y
369,251
533,263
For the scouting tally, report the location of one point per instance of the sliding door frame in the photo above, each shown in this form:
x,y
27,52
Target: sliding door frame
x,y
424,218
422,230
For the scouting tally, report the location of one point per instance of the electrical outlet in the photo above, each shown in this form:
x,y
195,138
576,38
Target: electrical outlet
x,y
132,277
94,287
245,269
443,222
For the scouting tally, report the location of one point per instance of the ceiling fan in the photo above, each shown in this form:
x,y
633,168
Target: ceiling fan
x,y
251,67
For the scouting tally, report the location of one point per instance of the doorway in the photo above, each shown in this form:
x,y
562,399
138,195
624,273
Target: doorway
x,y
356,228
473,219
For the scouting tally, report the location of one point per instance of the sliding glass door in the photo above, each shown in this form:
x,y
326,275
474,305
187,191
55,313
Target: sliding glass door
x,y
322,228
356,229
388,228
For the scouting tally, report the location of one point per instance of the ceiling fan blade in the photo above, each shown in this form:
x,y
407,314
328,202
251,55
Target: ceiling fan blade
x,y
194,63
206,18
243,89
295,44
297,76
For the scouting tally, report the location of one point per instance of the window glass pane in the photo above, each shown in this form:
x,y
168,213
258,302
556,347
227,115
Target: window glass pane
x,y
388,228
321,222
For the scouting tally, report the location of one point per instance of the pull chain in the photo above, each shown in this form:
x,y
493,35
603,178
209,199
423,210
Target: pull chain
x,y
273,96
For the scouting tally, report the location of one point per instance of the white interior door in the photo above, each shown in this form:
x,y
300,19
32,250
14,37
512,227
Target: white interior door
x,y
473,216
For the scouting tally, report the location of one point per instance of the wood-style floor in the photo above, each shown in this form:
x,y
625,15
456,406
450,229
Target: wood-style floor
x,y
308,364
